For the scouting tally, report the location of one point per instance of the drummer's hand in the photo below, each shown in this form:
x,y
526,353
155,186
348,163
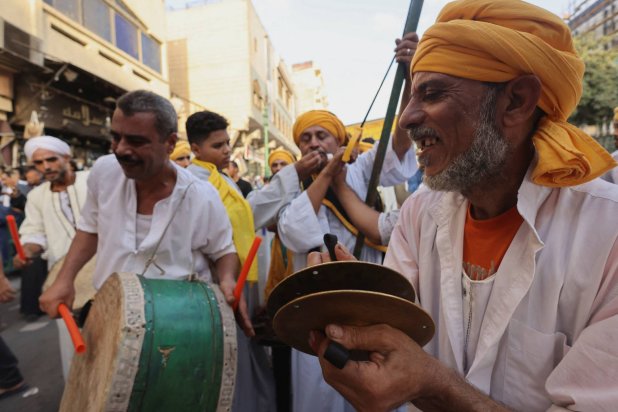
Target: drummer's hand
x,y
342,253
398,369
242,312
59,292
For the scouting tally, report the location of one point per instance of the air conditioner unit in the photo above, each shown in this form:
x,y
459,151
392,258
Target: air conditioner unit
x,y
20,43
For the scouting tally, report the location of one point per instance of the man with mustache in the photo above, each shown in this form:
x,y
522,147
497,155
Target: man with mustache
x,y
52,211
146,215
317,211
513,248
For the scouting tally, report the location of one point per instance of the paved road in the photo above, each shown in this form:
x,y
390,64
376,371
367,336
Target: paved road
x,y
36,346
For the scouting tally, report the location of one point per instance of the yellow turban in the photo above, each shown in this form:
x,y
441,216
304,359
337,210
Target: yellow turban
x,y
280,154
498,40
615,114
321,118
181,149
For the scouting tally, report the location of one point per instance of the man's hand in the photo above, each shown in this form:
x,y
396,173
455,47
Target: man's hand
x,y
308,165
227,286
405,49
398,369
31,251
341,252
60,291
7,293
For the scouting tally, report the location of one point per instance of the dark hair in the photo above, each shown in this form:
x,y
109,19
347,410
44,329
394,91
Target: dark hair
x,y
201,124
233,163
144,101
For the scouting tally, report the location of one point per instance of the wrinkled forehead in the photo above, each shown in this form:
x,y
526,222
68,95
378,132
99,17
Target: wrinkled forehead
x,y
312,130
421,81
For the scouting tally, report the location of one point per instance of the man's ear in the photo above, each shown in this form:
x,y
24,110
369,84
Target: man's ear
x,y
171,140
522,94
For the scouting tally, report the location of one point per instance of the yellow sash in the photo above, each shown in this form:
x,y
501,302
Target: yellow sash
x,y
280,267
240,215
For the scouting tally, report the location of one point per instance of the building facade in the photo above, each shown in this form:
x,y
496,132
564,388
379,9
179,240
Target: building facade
x,y
220,57
309,84
596,17
66,61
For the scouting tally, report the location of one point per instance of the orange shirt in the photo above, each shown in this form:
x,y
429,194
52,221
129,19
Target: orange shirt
x,y
486,242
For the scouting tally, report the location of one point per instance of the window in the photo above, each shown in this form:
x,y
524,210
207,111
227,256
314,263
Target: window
x,y
96,18
126,36
151,52
68,7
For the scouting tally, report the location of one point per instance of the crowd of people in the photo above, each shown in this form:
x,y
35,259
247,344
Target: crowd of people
x,y
501,238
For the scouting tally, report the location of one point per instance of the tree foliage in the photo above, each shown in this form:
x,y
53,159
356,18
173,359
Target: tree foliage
x,y
600,92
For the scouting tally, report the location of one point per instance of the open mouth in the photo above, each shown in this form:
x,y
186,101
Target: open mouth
x,y
426,142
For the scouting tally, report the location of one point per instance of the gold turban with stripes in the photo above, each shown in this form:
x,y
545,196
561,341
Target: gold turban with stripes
x,y
498,40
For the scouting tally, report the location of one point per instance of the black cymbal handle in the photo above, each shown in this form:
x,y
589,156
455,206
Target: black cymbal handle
x,y
330,241
337,354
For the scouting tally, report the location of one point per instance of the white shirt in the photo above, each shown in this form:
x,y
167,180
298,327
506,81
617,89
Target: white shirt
x,y
199,226
46,222
549,330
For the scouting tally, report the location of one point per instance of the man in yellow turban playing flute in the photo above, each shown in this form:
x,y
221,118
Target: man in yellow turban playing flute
x,y
513,248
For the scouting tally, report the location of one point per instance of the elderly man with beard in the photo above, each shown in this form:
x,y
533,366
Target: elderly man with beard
x,y
513,248
52,211
146,215
317,211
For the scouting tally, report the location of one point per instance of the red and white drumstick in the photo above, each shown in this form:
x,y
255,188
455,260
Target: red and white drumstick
x,y
76,336
240,283
10,221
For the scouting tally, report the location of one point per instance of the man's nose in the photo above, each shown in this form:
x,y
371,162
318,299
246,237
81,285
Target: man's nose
x,y
412,115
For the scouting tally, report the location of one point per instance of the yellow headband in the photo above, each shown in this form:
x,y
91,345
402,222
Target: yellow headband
x,y
499,40
181,149
321,118
281,154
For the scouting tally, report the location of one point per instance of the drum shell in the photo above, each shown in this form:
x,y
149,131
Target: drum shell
x,y
175,352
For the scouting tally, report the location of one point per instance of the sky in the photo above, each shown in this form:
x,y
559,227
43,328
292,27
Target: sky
x,y
352,42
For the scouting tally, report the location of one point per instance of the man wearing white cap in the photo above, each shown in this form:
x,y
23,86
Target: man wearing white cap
x,y
52,211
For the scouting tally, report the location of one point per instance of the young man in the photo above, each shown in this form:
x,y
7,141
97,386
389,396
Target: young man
x,y
210,142
141,206
514,249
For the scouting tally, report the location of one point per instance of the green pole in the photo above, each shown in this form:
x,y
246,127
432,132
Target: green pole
x,y
414,13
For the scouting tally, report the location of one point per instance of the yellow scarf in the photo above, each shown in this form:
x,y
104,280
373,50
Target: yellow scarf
x,y
240,215
498,40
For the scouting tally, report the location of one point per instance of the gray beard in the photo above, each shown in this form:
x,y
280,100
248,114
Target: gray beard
x,y
483,161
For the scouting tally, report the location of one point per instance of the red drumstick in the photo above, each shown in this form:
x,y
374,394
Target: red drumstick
x,y
245,271
76,336
10,220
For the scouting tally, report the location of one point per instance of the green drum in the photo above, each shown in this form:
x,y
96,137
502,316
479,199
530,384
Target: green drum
x,y
155,345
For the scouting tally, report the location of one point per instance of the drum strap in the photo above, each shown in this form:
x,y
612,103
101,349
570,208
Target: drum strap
x,y
153,257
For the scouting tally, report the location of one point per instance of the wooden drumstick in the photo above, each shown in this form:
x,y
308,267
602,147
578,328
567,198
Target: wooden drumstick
x,y
240,284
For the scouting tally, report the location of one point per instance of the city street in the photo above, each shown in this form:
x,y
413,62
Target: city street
x,y
36,346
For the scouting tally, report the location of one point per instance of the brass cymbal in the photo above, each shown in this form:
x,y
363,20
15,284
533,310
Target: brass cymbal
x,y
342,275
294,320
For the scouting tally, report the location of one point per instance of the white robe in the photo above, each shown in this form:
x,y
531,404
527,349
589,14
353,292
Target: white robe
x,y
548,338
300,230
45,223
199,227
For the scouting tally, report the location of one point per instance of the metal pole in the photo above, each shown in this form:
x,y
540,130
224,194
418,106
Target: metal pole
x,y
265,124
414,13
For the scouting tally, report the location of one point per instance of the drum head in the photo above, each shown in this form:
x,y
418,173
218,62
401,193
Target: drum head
x,y
344,275
296,319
